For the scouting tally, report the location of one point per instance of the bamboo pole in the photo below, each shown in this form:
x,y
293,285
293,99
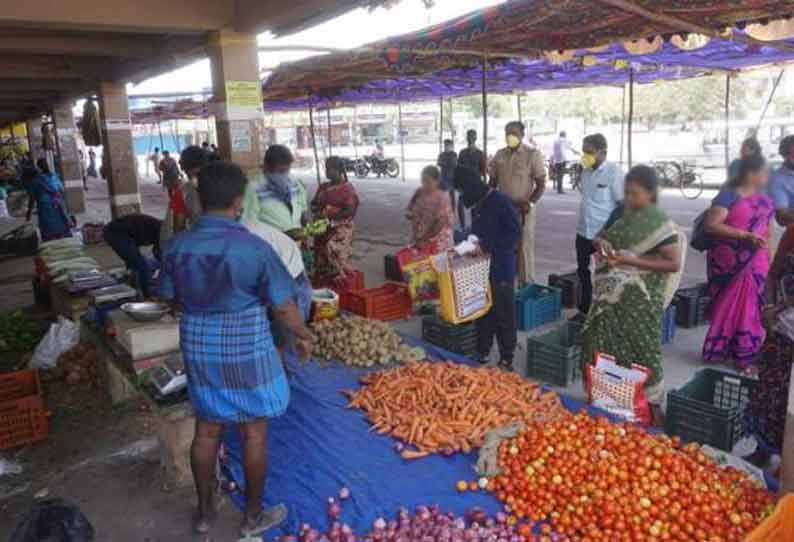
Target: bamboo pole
x,y
314,141
727,121
769,100
622,123
354,135
518,104
328,124
485,105
631,118
402,138
441,125
160,130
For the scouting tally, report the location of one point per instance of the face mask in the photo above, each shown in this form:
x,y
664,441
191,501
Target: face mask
x,y
513,141
588,160
280,180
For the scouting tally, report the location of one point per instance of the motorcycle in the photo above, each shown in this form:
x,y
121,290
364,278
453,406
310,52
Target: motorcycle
x,y
379,166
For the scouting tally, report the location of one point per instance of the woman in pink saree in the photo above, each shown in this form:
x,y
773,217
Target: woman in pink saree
x,y
430,213
738,265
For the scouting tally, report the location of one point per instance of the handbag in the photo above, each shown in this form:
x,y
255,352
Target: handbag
x,y
701,240
464,287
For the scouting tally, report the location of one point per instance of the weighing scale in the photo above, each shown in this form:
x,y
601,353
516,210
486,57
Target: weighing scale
x,y
112,294
170,377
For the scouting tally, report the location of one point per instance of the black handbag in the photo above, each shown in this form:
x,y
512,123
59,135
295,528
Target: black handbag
x,y
701,240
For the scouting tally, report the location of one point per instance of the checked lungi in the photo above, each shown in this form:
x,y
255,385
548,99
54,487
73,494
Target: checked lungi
x,y
233,370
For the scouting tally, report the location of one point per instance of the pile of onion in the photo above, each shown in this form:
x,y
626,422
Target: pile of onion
x,y
426,524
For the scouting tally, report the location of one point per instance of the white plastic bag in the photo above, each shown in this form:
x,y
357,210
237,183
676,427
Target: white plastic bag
x,y
61,336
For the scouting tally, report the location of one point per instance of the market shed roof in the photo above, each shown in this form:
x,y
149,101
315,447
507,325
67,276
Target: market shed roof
x,y
536,44
53,51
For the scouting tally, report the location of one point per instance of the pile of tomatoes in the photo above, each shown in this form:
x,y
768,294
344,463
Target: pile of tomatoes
x,y
589,480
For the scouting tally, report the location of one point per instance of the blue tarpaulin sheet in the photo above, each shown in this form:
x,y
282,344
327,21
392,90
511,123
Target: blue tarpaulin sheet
x,y
319,446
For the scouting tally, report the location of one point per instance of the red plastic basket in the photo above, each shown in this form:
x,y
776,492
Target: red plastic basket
x,y
392,301
23,418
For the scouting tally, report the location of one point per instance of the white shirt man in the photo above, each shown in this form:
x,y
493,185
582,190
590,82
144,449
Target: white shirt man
x,y
602,191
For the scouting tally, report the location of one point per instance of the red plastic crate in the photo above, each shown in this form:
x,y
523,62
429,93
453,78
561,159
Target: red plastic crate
x,y
23,418
392,301
352,283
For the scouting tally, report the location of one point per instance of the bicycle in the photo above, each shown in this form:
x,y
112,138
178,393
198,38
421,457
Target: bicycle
x,y
680,175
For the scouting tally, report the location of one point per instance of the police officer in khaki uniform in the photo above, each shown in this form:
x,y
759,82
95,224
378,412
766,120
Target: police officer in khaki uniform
x,y
519,171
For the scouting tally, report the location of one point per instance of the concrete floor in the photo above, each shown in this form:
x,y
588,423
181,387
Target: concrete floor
x,y
116,447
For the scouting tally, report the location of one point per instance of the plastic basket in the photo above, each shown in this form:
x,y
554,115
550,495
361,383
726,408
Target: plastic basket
x,y
710,408
23,418
692,306
391,268
555,357
668,324
779,527
537,305
571,288
392,301
458,338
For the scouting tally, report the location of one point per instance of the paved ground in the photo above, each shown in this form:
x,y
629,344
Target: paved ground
x,y
116,447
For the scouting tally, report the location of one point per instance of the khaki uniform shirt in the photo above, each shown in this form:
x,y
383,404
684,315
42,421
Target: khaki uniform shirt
x,y
516,171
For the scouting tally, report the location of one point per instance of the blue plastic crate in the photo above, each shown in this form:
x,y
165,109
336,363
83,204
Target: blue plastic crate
x,y
668,325
537,305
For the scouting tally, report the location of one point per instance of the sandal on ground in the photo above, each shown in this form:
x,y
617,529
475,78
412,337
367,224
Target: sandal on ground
x,y
201,526
506,366
266,519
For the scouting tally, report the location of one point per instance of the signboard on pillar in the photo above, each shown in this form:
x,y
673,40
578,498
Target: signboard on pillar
x,y
244,94
241,136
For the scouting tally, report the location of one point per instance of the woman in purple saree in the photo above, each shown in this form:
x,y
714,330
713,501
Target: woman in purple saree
x,y
738,265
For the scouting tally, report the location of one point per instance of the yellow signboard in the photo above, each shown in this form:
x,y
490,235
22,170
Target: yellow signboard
x,y
243,94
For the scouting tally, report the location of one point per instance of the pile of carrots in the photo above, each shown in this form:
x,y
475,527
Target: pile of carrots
x,y
448,407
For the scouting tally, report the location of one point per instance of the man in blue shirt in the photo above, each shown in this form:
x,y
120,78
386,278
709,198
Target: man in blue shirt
x,y
496,223
224,277
781,184
602,191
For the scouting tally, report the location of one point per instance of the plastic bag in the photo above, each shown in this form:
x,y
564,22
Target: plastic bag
x,y
53,520
61,336
422,280
619,390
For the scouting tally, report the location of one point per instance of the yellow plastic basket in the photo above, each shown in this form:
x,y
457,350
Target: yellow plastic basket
x,y
779,527
464,287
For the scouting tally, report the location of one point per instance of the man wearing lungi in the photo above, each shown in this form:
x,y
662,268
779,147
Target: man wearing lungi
x,y
224,278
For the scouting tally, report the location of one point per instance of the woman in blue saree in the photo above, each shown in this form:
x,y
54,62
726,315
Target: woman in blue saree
x,y
46,192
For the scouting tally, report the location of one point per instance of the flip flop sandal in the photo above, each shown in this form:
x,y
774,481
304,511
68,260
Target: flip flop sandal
x,y
201,526
505,366
267,519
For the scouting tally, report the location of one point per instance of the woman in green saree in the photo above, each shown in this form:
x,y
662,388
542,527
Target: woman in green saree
x,y
639,259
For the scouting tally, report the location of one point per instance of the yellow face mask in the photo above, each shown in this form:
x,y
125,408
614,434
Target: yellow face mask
x,y
588,160
513,141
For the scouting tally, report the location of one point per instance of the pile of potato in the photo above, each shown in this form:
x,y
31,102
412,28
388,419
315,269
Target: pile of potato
x,y
361,342
77,365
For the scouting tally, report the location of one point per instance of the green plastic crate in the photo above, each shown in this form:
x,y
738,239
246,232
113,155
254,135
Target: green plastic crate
x,y
555,357
710,408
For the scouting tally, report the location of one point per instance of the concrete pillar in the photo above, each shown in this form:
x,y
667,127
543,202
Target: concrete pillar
x,y
239,118
34,138
118,158
70,170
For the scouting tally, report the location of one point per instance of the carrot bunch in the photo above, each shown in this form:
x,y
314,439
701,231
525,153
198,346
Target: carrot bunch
x,y
449,407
